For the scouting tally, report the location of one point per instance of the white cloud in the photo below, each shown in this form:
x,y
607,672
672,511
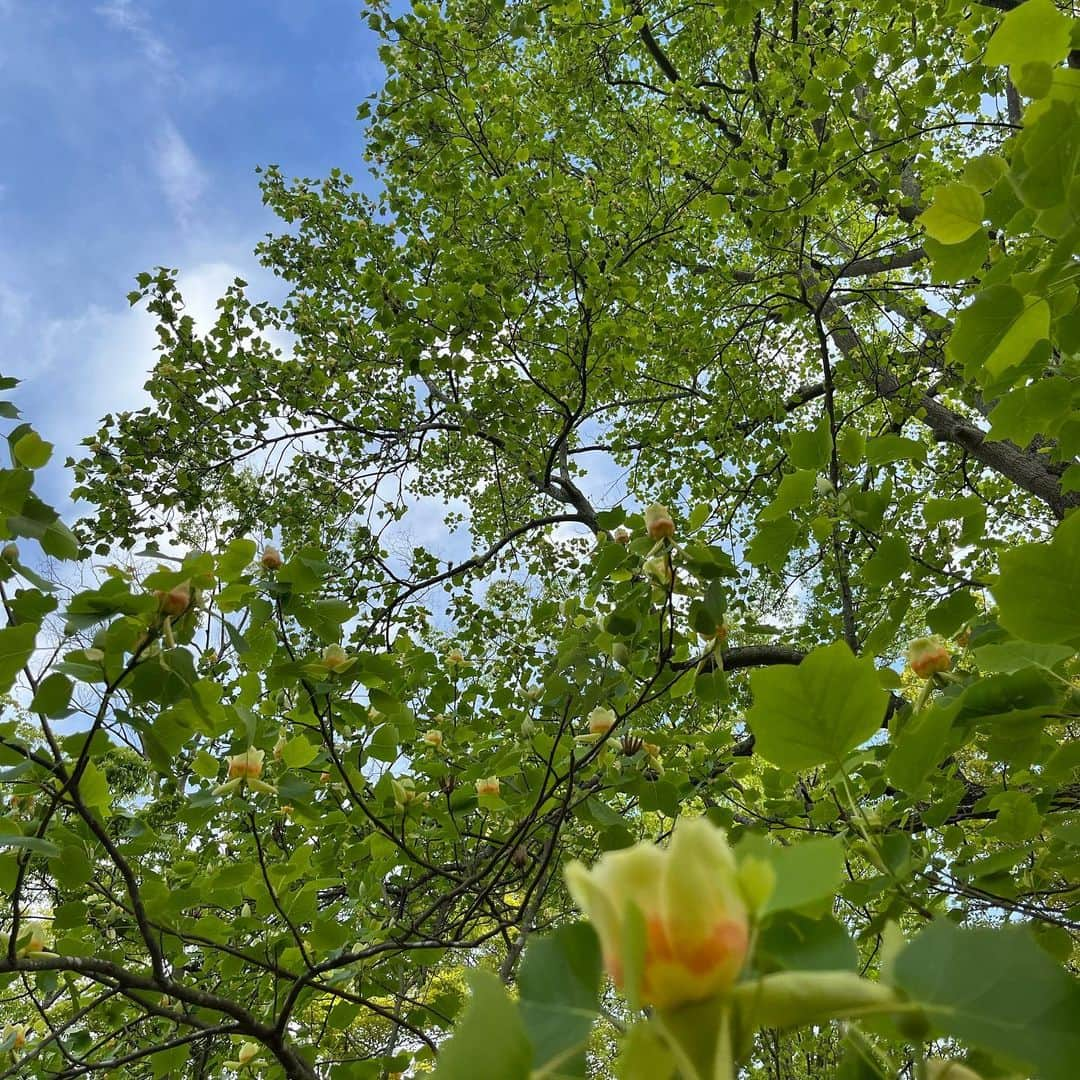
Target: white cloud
x,y
125,16
182,178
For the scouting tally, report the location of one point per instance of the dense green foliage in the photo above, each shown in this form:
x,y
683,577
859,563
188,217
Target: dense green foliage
x,y
805,273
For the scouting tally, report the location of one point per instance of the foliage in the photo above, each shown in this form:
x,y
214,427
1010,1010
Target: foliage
x,y
302,819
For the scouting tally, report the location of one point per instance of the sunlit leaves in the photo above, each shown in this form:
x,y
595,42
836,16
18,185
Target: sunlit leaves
x,y
955,215
1038,588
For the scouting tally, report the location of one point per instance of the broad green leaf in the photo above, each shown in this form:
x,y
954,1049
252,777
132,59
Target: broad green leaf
x,y
16,648
558,987
643,1055
889,448
53,696
996,989
811,449
94,787
772,543
36,844
1031,31
1027,411
1009,656
794,491
298,752
919,747
955,214
32,450
818,711
489,1040
798,943
1038,588
808,873
998,331
956,262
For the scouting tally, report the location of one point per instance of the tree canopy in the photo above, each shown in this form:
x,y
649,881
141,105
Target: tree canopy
x,y
690,363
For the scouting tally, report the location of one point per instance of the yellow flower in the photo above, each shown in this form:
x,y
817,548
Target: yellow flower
x,y
601,721
696,923
658,522
271,559
433,738
17,1033
335,658
489,785
455,657
658,568
33,939
927,655
248,765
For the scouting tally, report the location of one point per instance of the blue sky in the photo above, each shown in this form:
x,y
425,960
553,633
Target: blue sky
x,y
131,130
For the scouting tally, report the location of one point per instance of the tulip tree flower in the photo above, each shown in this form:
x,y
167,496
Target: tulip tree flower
x,y
434,737
246,1056
601,720
33,939
928,655
695,919
488,785
455,657
245,768
658,523
335,658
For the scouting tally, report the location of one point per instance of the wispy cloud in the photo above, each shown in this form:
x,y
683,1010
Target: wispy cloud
x,y
126,16
182,177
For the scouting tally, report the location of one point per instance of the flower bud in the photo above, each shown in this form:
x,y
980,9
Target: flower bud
x,y
175,601
621,535
434,737
696,925
620,653
601,721
247,765
534,693
488,785
824,486
245,911
10,552
658,522
271,559
248,1052
520,857
280,745
527,728
928,655
404,792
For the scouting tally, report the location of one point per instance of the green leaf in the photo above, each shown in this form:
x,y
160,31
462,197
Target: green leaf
x,y
998,331
1032,31
204,764
31,843
889,448
799,943
807,873
490,1040
558,985
1027,411
1038,588
818,711
772,543
919,747
794,491
53,696
94,788
16,648
955,214
995,989
1009,656
644,1055
890,560
298,752
32,450
811,449
957,262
